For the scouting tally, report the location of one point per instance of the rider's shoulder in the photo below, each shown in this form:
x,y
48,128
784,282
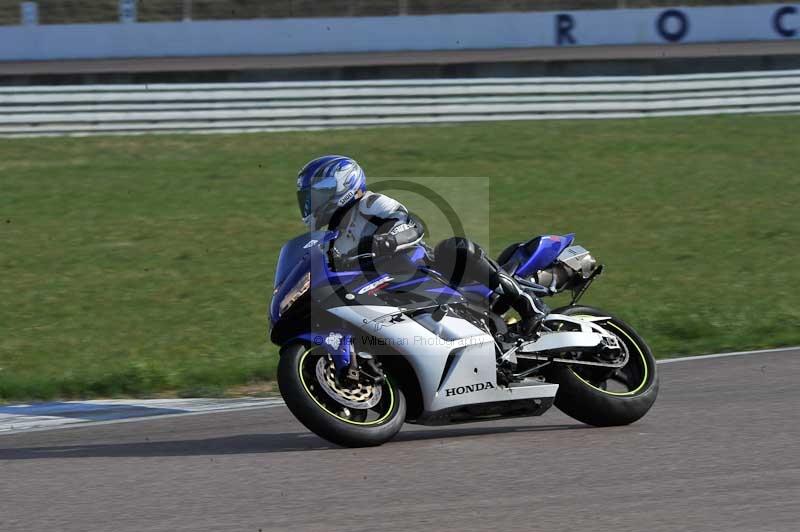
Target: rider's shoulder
x,y
373,204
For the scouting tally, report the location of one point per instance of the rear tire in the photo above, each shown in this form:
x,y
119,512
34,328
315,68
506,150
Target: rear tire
x,y
306,400
592,402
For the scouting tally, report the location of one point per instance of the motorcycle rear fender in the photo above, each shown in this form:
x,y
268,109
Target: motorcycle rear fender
x,y
538,253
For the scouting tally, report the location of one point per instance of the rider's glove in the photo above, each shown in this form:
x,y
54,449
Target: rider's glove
x,y
384,244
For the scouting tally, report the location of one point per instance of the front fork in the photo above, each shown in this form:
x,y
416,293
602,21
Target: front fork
x,y
350,365
338,344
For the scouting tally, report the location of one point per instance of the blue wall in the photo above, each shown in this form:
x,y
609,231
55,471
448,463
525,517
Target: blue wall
x,y
436,32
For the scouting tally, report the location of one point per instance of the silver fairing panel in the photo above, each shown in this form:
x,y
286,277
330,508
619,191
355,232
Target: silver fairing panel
x,y
471,375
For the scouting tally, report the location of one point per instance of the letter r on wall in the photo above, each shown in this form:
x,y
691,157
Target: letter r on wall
x,y
564,25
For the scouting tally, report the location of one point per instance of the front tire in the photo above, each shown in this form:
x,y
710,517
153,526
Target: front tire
x,y
601,398
314,403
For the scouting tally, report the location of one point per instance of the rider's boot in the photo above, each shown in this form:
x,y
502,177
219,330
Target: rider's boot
x,y
531,309
462,256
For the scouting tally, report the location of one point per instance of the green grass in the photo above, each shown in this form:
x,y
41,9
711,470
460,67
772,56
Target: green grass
x,y
134,265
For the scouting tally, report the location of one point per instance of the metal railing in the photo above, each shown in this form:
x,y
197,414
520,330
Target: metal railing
x,y
237,107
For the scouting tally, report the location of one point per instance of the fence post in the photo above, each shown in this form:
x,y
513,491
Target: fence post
x,y
29,13
127,11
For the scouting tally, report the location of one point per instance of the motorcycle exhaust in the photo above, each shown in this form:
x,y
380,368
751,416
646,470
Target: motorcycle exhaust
x,y
573,265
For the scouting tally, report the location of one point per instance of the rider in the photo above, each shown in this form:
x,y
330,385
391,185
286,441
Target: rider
x,y
332,191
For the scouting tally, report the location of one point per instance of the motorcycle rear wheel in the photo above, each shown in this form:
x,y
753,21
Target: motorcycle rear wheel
x,y
314,403
603,398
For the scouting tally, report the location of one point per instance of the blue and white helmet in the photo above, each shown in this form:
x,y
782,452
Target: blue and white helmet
x,y
326,184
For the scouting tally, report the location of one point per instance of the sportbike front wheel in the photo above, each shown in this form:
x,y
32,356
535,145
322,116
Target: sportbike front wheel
x,y
606,397
351,415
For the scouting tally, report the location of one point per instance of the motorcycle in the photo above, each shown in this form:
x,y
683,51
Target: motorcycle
x,y
364,349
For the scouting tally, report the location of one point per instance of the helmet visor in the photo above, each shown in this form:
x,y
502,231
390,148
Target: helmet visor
x,y
304,201
317,196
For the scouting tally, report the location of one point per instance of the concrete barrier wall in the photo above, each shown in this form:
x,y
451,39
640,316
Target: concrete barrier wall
x,y
370,34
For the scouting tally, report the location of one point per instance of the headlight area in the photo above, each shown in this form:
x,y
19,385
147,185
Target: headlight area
x,y
300,288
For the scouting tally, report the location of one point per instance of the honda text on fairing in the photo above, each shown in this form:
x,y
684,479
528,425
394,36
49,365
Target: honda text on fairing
x,y
362,352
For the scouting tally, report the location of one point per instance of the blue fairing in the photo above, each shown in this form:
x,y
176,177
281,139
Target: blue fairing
x,y
305,255
295,251
303,266
539,253
297,258
479,289
444,291
294,262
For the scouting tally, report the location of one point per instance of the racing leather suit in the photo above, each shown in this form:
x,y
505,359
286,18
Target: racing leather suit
x,y
375,223
379,224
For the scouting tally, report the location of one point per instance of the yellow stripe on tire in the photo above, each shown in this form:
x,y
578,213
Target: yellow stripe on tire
x,y
641,354
337,416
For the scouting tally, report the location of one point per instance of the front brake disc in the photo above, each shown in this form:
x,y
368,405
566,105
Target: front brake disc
x,y
359,395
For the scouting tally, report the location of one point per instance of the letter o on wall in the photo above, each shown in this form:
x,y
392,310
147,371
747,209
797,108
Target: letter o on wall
x,y
778,24
665,25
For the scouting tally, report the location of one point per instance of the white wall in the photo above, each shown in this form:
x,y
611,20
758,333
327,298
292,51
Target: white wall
x,y
435,32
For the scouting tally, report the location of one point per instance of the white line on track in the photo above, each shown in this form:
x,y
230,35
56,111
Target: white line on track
x,y
689,358
76,425
54,415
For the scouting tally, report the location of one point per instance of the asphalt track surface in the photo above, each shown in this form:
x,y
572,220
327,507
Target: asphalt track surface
x,y
368,59
718,451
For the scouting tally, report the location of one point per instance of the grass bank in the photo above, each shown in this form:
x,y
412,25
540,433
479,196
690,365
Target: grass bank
x,y
134,265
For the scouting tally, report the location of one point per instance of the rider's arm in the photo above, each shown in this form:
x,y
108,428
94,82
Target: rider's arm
x,y
402,235
396,228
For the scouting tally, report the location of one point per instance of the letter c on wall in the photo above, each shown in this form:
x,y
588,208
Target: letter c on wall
x,y
778,24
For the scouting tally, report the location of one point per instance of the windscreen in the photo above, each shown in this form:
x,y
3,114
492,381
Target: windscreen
x,y
294,250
